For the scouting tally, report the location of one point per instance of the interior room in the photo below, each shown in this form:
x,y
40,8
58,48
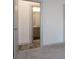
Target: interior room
x,y
36,26
40,33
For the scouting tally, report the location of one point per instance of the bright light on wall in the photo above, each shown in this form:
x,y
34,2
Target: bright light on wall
x,y
36,9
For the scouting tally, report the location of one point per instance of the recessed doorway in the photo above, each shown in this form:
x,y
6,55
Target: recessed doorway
x,y
36,26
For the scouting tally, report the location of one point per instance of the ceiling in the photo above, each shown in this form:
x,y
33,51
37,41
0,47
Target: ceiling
x,y
33,0
34,4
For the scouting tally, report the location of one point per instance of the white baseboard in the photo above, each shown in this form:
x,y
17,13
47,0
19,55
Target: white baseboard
x,y
54,45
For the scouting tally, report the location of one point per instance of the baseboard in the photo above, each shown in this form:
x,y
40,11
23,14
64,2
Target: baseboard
x,y
54,45
24,46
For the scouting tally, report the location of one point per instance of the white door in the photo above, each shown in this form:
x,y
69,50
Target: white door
x,y
24,23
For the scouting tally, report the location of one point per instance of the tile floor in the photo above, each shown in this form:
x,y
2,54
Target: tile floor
x,y
36,43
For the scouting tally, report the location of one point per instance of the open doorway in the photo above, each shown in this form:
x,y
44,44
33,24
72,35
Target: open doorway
x,y
36,26
28,25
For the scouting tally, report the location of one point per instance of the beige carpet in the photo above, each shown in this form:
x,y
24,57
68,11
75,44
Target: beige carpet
x,y
35,44
52,52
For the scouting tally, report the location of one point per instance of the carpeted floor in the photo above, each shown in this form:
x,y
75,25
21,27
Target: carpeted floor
x,y
35,44
51,52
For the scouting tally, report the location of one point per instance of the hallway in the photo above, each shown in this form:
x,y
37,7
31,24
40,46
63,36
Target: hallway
x,y
52,52
44,30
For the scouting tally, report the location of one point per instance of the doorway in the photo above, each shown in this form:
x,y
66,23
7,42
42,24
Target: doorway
x,y
28,25
35,26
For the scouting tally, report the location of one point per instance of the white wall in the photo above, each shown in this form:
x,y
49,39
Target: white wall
x,y
36,19
52,27
24,22
52,19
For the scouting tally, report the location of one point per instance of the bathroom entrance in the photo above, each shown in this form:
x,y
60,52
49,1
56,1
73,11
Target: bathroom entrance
x,y
36,26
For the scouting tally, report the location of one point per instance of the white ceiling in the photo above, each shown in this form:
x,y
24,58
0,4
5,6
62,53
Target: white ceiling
x,y
33,0
34,4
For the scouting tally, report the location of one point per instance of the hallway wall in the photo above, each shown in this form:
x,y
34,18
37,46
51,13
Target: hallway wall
x,y
36,19
52,22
